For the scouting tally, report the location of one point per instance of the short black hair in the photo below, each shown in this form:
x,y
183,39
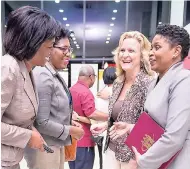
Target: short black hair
x,y
27,28
109,75
176,36
62,33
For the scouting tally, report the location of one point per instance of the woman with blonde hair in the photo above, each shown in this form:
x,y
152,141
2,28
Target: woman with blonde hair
x,y
128,97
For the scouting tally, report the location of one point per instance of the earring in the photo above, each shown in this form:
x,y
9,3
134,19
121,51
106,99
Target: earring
x,y
174,56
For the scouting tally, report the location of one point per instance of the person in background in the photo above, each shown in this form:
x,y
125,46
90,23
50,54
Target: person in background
x,y
128,97
55,107
109,75
84,105
102,100
168,101
26,45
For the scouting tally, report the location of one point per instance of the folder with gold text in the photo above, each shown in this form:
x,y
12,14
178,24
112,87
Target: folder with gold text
x,y
144,134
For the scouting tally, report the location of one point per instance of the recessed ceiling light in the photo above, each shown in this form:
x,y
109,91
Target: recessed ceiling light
x,y
117,1
61,10
111,24
74,38
109,34
75,42
113,18
72,35
108,38
67,25
107,42
64,18
115,11
5,26
160,23
57,1
110,30
78,47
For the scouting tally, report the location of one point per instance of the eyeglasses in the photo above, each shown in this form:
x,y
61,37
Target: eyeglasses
x,y
64,50
93,75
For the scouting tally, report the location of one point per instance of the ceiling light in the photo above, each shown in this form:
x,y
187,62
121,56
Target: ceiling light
x,y
74,38
117,1
113,18
107,42
111,24
5,26
61,10
160,23
57,1
78,47
109,34
115,11
108,38
110,30
75,42
72,35
64,19
67,25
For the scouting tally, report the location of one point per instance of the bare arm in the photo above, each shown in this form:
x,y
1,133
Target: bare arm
x,y
99,116
82,119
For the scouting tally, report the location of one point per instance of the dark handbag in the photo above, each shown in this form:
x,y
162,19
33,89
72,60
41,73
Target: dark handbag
x,y
99,141
110,124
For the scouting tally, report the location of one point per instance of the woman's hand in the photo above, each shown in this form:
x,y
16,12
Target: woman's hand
x,y
75,116
36,141
76,132
97,129
137,154
120,129
76,124
134,163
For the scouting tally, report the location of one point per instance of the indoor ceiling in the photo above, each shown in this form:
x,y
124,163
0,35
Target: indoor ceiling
x,y
99,16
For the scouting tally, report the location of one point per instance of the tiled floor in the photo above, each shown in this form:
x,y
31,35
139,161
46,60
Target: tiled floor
x,y
23,164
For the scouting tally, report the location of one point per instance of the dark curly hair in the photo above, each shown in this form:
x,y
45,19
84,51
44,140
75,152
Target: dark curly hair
x,y
176,36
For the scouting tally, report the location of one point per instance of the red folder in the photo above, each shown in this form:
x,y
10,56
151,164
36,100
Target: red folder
x,y
144,134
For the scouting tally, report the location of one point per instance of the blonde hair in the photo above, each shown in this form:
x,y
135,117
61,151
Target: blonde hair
x,y
145,49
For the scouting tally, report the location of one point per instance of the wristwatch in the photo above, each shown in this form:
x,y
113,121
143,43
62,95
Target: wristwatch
x,y
78,119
